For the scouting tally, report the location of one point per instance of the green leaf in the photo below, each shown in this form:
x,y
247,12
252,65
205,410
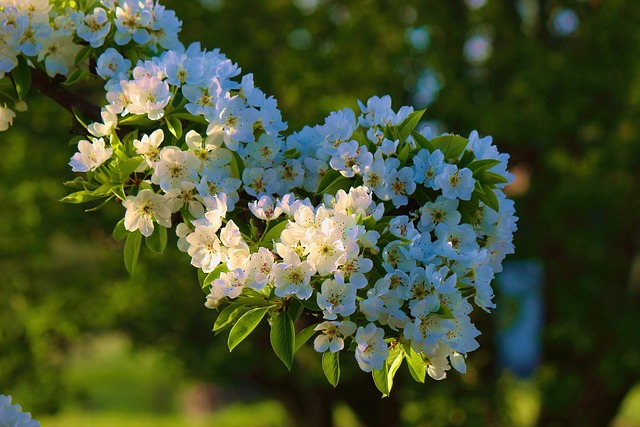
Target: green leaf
x,y
423,142
126,168
304,336
274,231
132,250
221,268
245,325
331,367
383,378
77,182
119,232
157,242
341,183
104,189
236,165
75,76
451,145
22,77
327,180
82,196
421,195
100,206
82,54
466,159
360,138
416,365
311,304
404,153
410,124
175,126
201,277
136,120
229,315
291,153
80,117
395,365
489,198
283,338
183,114
490,178
132,54
479,166
445,312
295,308
119,192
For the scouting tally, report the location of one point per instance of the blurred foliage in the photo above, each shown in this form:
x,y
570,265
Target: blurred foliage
x,y
566,107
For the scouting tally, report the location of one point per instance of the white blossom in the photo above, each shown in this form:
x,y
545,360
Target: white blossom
x,y
90,155
143,209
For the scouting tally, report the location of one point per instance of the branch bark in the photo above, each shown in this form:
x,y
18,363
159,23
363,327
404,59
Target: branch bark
x,y
52,89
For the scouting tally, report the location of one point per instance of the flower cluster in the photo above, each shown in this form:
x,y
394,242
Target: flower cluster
x,y
12,415
58,38
385,236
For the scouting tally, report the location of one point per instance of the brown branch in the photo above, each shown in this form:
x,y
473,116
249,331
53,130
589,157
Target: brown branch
x,y
52,89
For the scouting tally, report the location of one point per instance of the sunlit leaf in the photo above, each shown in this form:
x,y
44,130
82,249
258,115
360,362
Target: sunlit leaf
x,y
331,367
245,325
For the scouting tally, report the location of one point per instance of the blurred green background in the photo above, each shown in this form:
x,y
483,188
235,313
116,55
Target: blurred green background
x,y
557,85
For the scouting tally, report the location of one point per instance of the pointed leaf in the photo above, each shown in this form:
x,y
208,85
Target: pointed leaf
x,y
82,54
274,231
304,336
283,338
175,126
100,206
381,379
132,250
466,159
327,180
291,153
311,303
215,274
81,197
295,308
489,198
331,367
421,195
341,183
229,315
126,168
245,325
75,76
396,361
490,178
479,166
119,232
80,117
22,77
136,120
417,368
236,165
423,142
451,145
404,153
410,124
444,312
157,242
362,140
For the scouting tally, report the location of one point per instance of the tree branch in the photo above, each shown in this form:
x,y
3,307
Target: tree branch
x,y
51,88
